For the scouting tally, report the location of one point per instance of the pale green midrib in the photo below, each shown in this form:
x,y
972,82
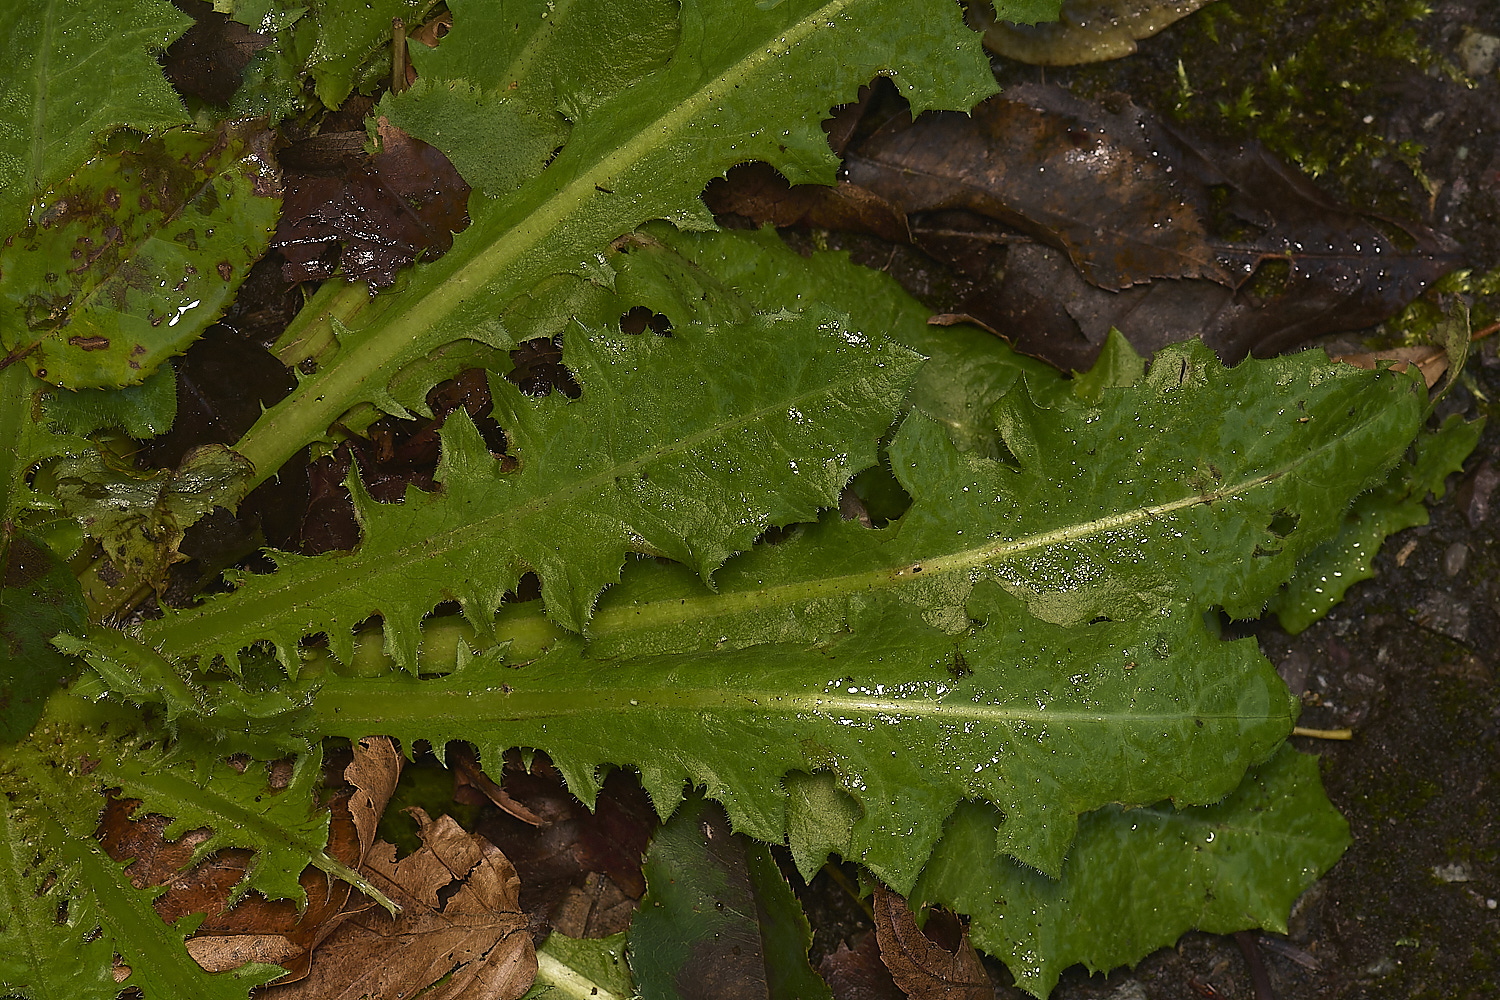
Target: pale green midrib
x,y
437,547
675,611
268,445
39,104
338,704
536,44
678,610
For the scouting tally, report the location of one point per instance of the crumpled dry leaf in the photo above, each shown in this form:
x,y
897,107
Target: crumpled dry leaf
x,y
460,914
370,215
923,969
255,929
858,973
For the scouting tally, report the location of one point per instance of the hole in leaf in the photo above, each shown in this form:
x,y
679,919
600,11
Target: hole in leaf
x,y
539,368
1283,523
640,319
1268,282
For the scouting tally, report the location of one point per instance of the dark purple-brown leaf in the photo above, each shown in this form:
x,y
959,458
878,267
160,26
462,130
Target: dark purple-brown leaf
x,y
369,215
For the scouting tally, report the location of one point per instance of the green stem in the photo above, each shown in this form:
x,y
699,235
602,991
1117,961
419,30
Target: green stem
x,y
310,335
17,397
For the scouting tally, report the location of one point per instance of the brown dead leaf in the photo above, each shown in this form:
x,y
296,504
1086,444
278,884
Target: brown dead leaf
x,y
1431,360
254,929
580,869
858,973
471,786
209,59
1065,218
460,914
923,969
370,215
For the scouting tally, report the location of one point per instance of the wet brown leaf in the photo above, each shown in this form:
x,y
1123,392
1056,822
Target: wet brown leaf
x,y
1070,217
208,60
858,973
370,215
923,969
460,914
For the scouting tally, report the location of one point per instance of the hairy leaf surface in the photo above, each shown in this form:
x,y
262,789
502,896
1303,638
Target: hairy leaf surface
x,y
515,70
745,82
1137,879
74,73
688,447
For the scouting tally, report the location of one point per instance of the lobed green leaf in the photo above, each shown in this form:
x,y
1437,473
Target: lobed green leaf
x,y
687,447
745,82
1137,879
1036,718
73,74
1326,574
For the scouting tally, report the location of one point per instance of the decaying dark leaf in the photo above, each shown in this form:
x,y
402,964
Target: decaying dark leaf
x,y
369,215
858,973
922,968
139,516
580,870
460,918
208,59
1072,217
127,262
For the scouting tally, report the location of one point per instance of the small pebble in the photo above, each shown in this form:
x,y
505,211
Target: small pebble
x,y
1454,557
1491,904
1479,53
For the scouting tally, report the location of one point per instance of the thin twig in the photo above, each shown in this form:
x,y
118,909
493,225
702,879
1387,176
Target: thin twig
x,y
1323,734
1259,979
1485,332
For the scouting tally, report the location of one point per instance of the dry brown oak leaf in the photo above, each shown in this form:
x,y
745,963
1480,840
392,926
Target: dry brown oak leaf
x,y
922,968
255,929
460,914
